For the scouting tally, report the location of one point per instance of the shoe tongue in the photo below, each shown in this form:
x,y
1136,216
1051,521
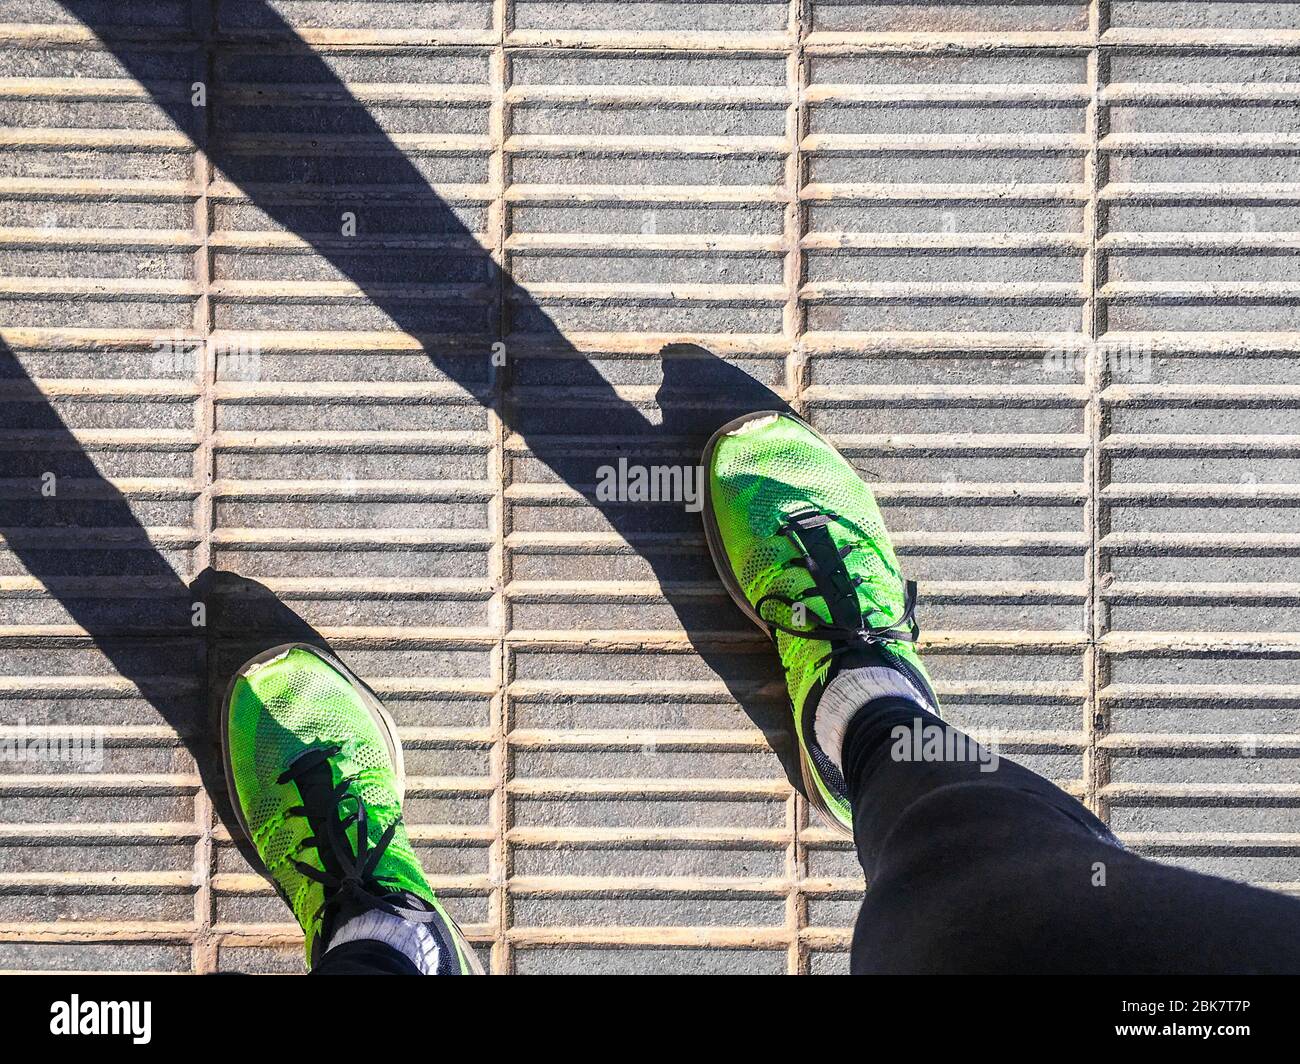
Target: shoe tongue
x,y
326,812
826,569
316,787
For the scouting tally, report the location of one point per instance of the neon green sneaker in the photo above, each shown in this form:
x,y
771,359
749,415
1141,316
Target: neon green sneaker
x,y
316,779
799,542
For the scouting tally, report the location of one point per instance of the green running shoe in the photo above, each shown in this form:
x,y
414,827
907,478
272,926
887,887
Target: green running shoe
x,y
799,542
316,779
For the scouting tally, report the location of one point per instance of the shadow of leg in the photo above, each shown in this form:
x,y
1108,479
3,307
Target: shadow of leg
x,y
299,166
109,587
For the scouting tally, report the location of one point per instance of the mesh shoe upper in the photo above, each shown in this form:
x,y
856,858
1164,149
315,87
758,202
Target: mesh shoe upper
x,y
765,474
297,708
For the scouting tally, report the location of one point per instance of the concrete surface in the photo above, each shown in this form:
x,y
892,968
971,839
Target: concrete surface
x,y
1033,265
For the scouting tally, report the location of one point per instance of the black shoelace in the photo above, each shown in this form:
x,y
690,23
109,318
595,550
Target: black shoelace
x,y
823,560
356,886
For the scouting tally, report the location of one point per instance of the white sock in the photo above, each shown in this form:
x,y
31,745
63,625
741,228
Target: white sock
x,y
412,940
849,692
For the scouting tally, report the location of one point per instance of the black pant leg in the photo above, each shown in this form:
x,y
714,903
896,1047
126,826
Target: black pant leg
x,y
1001,871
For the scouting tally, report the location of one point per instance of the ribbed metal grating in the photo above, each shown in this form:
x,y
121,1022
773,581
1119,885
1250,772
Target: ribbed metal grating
x,y
911,221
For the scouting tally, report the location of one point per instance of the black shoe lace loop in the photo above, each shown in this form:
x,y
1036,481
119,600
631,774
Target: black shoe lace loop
x,y
819,554
356,884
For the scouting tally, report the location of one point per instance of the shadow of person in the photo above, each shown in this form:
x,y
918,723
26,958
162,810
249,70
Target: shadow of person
x,y
70,528
699,393
74,531
244,618
301,167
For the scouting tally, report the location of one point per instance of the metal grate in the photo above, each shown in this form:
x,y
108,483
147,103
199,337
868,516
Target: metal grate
x,y
1031,264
